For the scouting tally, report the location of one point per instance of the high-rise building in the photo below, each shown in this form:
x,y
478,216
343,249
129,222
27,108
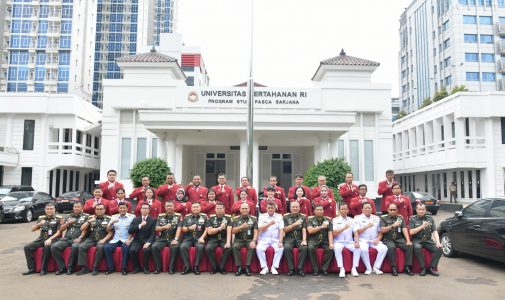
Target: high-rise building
x,y
46,46
123,26
446,43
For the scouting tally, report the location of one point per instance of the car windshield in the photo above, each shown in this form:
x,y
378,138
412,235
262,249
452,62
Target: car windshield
x,y
4,191
422,195
15,196
70,194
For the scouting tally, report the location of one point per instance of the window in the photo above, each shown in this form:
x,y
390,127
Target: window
x,y
471,57
477,209
65,42
354,158
485,20
487,57
42,41
447,43
469,19
62,87
447,62
498,209
470,38
125,157
488,76
486,39
448,80
154,148
369,161
462,183
472,76
28,134
503,130
26,176
141,148
64,58
66,27
470,184
445,26
63,73
41,58
340,148
40,73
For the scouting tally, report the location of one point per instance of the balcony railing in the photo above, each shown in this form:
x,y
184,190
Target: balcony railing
x,y
469,142
73,149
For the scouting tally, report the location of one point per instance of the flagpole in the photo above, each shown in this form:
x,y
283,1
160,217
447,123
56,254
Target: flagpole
x,y
250,106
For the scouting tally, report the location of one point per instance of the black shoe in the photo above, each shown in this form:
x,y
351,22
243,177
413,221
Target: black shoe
x,y
70,271
300,273
43,272
316,273
95,272
146,271
171,271
394,272
222,270
59,272
325,273
109,271
214,270
408,271
239,271
123,271
83,271
30,271
431,271
423,272
197,270
135,271
247,271
187,270
157,272
291,273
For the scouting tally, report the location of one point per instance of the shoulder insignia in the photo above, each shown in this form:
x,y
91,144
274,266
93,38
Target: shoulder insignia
x,y
287,215
253,217
203,215
115,215
227,216
303,215
311,217
42,217
161,215
177,214
212,215
85,214
399,216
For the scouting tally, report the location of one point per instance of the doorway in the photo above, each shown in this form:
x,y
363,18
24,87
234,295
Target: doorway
x,y
282,167
215,163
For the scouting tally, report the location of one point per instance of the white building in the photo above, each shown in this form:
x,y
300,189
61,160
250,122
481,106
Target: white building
x,y
51,142
202,130
459,139
446,43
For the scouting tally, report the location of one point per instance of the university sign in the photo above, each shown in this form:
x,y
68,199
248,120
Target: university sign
x,y
236,97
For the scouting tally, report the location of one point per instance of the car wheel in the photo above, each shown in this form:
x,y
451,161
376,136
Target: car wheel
x,y
447,245
28,216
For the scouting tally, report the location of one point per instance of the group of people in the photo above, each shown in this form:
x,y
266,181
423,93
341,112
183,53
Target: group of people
x,y
194,216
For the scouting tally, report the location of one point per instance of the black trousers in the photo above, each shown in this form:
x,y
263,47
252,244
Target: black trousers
x,y
211,254
184,250
57,251
289,245
392,245
156,249
135,247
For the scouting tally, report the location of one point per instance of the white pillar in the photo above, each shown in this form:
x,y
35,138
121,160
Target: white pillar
x,y
8,132
243,156
177,169
323,148
459,125
489,188
161,147
256,176
170,153
333,148
43,182
447,121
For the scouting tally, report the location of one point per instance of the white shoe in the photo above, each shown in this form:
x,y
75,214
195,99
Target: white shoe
x,y
264,271
342,273
377,271
273,270
354,272
368,272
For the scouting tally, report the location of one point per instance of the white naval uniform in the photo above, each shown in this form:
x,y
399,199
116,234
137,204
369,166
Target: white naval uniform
x,y
270,237
345,240
366,238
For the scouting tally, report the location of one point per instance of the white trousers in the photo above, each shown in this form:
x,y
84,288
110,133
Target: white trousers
x,y
339,246
381,249
262,247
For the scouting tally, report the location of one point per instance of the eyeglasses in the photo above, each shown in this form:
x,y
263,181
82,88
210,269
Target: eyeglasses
x,y
393,209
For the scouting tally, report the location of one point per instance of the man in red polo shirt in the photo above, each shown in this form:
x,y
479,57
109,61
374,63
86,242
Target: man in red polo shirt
x,y
195,192
139,192
89,206
385,189
348,190
279,192
357,202
110,186
120,198
252,196
402,202
316,191
168,191
224,193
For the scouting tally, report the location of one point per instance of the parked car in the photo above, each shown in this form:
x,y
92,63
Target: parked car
x,y
25,206
479,229
432,203
5,189
66,200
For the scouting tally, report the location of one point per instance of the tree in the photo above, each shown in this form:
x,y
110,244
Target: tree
x,y
459,88
155,168
426,102
334,169
439,95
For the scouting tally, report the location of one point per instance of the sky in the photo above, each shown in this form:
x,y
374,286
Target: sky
x,y
290,37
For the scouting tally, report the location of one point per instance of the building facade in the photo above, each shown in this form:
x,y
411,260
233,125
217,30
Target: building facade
x,y
51,142
446,43
152,112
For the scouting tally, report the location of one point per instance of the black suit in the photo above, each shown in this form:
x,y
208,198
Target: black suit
x,y
142,235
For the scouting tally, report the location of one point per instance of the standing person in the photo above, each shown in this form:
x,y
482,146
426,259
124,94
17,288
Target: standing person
x,y
119,224
295,235
271,199
49,225
90,204
316,191
195,192
168,229
279,192
357,202
110,186
194,233
142,229
395,234
120,198
305,205
298,184
424,235
343,238
150,199
328,203
367,232
453,190
320,230
224,192
72,238
385,189
243,198
98,236
252,196
139,193
348,190
209,206
219,233
168,191
271,234
245,229
402,202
